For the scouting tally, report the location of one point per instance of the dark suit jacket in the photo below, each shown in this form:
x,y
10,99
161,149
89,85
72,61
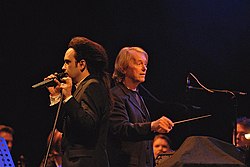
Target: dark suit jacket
x,y
84,123
130,135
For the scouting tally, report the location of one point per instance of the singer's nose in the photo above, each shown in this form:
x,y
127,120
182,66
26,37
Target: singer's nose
x,y
63,67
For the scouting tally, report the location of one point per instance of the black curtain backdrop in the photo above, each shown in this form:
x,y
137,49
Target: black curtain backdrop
x,y
208,38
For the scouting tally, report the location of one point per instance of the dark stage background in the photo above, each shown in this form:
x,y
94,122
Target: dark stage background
x,y
209,38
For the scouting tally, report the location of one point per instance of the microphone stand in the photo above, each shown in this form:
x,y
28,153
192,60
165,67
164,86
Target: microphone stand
x,y
235,102
53,130
233,93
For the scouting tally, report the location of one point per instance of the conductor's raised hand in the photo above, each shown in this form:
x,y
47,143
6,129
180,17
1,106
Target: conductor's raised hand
x,y
162,125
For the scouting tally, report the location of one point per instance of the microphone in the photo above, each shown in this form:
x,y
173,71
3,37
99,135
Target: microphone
x,y
49,82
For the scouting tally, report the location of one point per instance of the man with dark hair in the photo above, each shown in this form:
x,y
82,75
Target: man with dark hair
x,y
84,116
243,137
162,145
243,133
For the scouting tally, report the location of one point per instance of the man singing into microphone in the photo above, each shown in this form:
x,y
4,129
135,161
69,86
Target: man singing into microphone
x,y
84,116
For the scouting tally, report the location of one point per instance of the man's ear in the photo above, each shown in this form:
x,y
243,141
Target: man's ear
x,y
83,65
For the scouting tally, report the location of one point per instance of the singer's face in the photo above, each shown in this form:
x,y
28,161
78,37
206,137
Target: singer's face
x,y
137,68
70,66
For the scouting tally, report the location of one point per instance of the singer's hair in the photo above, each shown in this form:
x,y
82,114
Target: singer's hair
x,y
96,58
122,60
94,55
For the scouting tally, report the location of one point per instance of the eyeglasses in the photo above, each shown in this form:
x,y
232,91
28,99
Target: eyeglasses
x,y
246,135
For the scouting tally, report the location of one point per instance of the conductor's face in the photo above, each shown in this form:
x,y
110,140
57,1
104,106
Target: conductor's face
x,y
137,68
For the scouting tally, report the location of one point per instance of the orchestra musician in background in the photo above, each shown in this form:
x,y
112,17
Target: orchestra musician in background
x,y
243,137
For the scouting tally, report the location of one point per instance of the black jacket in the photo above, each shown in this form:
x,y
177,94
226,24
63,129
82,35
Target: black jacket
x,y
84,123
130,138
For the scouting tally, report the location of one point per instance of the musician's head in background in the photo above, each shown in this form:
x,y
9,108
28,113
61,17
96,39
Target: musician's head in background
x,y
7,133
162,145
243,132
55,153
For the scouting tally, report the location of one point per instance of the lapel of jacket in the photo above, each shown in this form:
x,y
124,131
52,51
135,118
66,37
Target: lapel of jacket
x,y
146,109
83,85
133,100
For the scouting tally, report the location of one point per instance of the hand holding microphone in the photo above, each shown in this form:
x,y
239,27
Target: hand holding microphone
x,y
66,87
53,85
50,80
